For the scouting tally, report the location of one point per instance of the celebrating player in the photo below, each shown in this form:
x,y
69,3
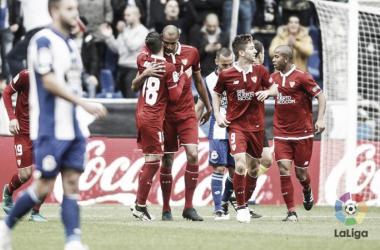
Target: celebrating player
x,y
152,102
57,131
243,84
19,126
293,126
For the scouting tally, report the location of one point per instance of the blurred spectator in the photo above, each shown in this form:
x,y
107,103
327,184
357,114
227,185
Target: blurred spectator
x,y
172,17
296,36
205,7
118,7
35,17
127,45
97,12
245,16
265,23
298,8
86,46
209,39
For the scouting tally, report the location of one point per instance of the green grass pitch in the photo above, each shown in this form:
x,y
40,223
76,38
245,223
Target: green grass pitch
x,y
112,227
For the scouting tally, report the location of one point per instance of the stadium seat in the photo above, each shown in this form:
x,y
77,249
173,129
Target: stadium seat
x,y
314,33
107,84
313,65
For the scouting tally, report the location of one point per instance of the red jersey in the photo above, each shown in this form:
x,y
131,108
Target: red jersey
x,y
185,57
154,94
244,111
19,84
293,115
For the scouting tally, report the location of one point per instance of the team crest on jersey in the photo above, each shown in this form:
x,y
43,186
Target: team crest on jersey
x,y
254,79
214,155
19,162
162,147
184,61
233,147
292,84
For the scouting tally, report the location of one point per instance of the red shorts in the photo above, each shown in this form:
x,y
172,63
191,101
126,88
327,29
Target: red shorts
x,y
298,151
246,142
150,139
23,150
186,129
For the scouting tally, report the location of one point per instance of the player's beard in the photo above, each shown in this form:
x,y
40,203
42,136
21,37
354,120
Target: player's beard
x,y
66,24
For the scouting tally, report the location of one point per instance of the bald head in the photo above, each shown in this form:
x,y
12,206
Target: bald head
x,y
171,31
132,15
285,51
211,23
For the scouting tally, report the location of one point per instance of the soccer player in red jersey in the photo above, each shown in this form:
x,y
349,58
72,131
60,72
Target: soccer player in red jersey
x,y
19,126
293,126
243,84
153,99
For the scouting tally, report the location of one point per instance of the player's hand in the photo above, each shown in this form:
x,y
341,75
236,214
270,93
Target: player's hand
x,y
319,126
291,40
92,80
155,70
222,122
96,109
262,95
14,127
14,28
106,30
205,116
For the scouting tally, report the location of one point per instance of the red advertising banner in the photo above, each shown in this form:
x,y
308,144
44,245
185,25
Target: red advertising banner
x,y
113,168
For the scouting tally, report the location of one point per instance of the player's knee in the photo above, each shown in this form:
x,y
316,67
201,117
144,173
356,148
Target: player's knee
x,y
301,175
25,176
167,162
267,162
192,157
218,170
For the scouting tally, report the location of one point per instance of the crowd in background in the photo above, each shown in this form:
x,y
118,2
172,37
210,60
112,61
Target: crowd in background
x,y
111,32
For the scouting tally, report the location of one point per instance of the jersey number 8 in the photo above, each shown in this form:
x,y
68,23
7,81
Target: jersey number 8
x,y
150,89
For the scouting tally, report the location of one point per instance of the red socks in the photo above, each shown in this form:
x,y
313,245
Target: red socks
x,y
146,180
166,180
250,185
306,183
14,184
191,179
239,187
287,191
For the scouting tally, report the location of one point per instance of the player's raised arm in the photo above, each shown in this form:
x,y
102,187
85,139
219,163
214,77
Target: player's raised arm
x,y
201,88
50,84
154,70
320,125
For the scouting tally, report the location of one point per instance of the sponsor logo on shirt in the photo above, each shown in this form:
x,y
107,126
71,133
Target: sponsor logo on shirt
x,y
284,99
243,96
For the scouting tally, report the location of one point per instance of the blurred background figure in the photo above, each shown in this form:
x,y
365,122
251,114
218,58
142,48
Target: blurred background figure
x,y
296,36
130,39
245,16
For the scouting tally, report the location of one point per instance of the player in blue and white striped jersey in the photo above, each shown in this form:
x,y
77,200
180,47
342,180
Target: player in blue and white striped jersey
x,y
219,155
56,128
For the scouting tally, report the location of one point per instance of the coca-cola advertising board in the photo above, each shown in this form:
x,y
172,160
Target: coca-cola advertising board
x,y
113,166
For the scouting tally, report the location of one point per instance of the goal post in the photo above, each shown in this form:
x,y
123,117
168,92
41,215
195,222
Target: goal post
x,y
350,147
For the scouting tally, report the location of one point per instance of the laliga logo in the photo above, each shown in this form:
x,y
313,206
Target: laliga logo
x,y
350,204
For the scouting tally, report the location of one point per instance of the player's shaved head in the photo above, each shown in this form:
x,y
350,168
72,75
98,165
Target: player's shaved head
x,y
285,51
223,52
170,30
53,4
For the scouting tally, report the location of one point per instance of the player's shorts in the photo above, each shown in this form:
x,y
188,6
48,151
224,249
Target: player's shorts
x,y
220,154
51,155
23,151
266,143
184,129
246,142
150,139
298,151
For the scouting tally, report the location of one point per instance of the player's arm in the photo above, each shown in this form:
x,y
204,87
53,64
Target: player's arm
x,y
201,88
320,125
199,108
176,90
216,101
264,94
14,126
49,82
154,70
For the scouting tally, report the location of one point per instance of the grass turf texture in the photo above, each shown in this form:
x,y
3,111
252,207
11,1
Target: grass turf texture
x,y
113,227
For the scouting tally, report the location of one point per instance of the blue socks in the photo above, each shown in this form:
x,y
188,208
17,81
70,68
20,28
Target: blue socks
x,y
70,217
216,189
228,189
22,206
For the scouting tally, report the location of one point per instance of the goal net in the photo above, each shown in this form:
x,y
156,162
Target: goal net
x,y
350,151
